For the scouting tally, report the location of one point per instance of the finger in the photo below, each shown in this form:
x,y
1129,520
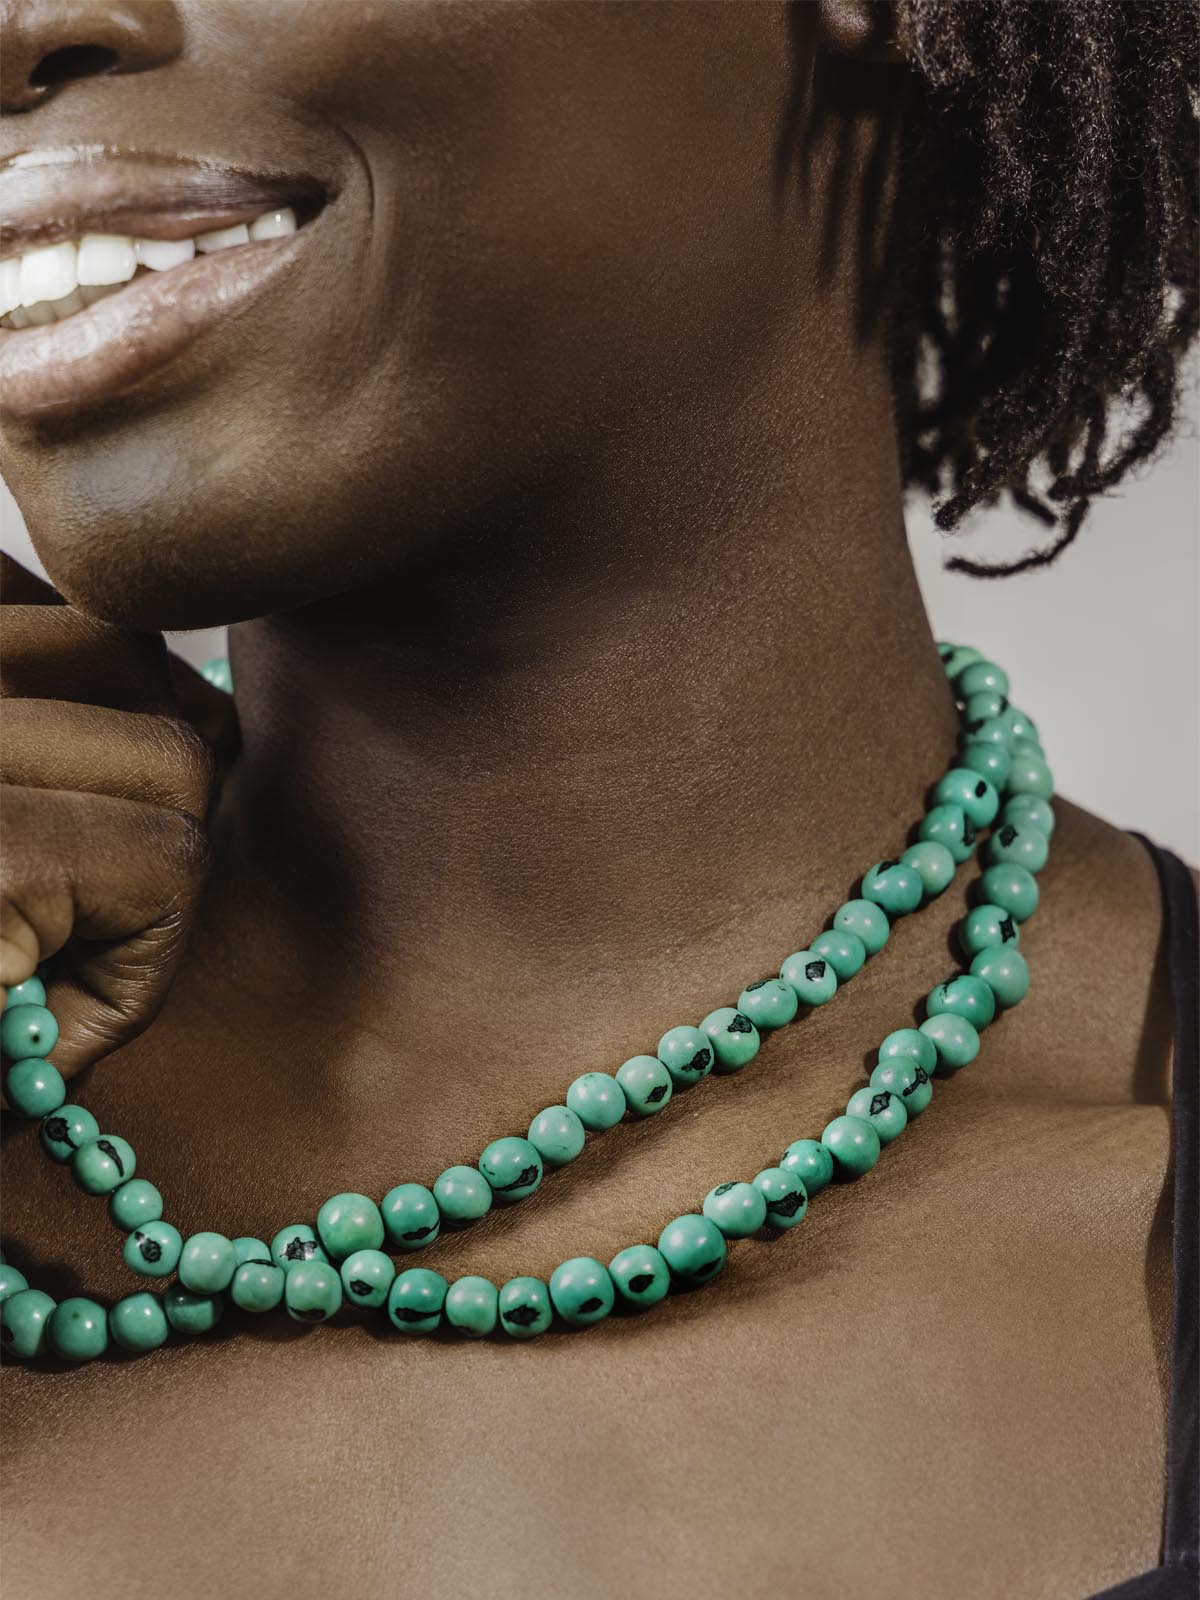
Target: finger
x,y
20,586
58,653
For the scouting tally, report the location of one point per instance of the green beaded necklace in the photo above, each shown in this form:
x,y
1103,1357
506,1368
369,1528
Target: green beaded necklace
x,y
1001,778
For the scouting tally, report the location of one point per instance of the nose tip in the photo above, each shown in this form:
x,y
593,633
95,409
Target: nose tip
x,y
48,44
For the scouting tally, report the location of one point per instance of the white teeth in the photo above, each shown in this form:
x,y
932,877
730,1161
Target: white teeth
x,y
91,292
106,258
10,282
47,273
159,254
273,224
222,239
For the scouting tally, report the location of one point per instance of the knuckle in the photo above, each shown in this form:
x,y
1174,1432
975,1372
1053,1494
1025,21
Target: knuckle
x,y
185,749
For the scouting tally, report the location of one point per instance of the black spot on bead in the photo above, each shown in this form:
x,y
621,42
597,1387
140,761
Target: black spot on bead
x,y
751,987
880,1102
57,1130
149,1249
1008,931
412,1314
921,1077
740,1024
707,1268
111,1150
641,1282
788,1206
814,970
298,1249
522,1316
657,1093
884,865
981,788
591,1305
699,1062
526,1176
314,1314
1003,704
357,1286
974,727
968,830
419,1233
1007,834
723,1188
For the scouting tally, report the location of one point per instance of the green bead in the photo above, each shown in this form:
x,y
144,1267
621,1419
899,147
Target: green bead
x,y
811,976
1028,810
257,1286
963,786
463,1194
901,1075
785,1195
69,1128
512,1167
957,656
30,993
912,1045
1021,724
1029,775
1006,974
472,1305
415,1300
134,1203
219,673
1025,847
987,927
646,1084
986,706
990,761
1010,886
25,1323
693,1247
738,1209
35,1087
11,1279
247,1248
893,885
853,1143
980,676
955,1039
884,1110
867,919
153,1250
581,1291
965,996
192,1313
295,1243
138,1322
640,1275
735,1039
367,1277
557,1135
312,1291
845,952
597,1100
1026,747
78,1329
103,1164
769,1003
411,1217
687,1053
810,1161
525,1307
27,1031
350,1222
952,828
207,1263
987,730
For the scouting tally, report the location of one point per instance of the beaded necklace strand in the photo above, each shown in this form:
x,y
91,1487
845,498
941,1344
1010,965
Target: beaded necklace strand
x,y
1000,778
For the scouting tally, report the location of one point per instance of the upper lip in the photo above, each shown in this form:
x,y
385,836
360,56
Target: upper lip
x,y
48,196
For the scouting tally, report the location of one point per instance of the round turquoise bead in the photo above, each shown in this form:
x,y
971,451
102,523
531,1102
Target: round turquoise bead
x,y
646,1084
366,1277
985,706
785,1195
30,993
1028,811
27,1031
192,1313
1006,973
597,1100
78,1329
1025,847
410,1216
67,1130
966,996
512,1167
557,1135
581,1291
1029,775
640,1275
952,828
472,1305
207,1263
247,1248
963,786
812,976
103,1164
463,1194
882,1109
687,1053
810,1161
219,673
1021,723
525,1308
350,1222
138,1322
901,1075
987,730
845,952
693,1247
987,927
11,1280
735,1039
955,657
769,1003
257,1286
153,1250
25,1323
991,761
934,865
415,1300
853,1143
296,1243
312,1291
867,919
980,676
1012,887
35,1087
955,1038
738,1209
893,885
911,1044
134,1203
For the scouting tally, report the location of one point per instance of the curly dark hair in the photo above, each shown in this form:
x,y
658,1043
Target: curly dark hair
x,y
1053,143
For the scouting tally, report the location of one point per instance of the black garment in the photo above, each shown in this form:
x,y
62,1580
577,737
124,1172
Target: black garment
x,y
1178,1575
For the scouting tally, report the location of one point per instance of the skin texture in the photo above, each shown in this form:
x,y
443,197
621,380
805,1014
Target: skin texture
x,y
584,671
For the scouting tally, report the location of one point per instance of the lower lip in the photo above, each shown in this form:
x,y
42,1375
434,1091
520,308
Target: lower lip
x,y
60,367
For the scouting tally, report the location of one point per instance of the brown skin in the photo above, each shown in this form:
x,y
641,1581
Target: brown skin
x,y
591,670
